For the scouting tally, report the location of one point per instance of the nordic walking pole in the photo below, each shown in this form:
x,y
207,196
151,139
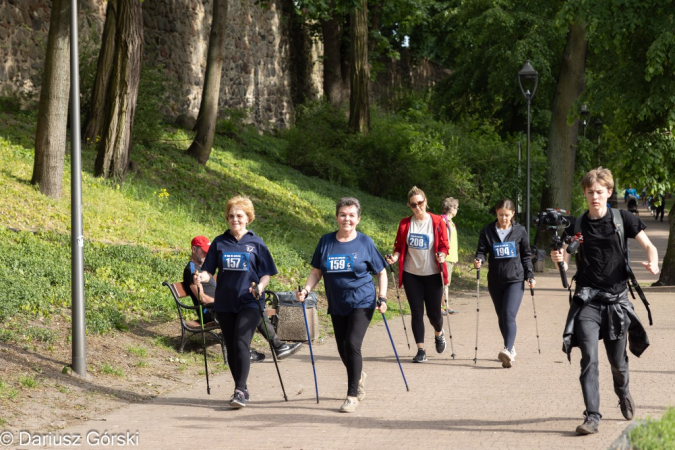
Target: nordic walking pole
x,y
447,313
475,358
201,322
394,347
400,308
256,294
536,324
309,342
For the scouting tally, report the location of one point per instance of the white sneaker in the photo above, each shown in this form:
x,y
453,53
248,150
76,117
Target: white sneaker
x,y
506,358
513,354
349,406
362,385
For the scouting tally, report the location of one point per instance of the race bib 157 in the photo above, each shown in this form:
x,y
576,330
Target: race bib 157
x,y
236,261
418,241
504,250
339,263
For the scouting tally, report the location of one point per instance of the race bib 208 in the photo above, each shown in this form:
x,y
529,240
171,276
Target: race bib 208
x,y
418,241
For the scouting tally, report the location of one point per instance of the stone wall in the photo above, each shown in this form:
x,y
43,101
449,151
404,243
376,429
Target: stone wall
x,y
256,71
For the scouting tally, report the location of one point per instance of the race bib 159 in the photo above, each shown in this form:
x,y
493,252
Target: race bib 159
x,y
340,263
236,261
504,250
418,241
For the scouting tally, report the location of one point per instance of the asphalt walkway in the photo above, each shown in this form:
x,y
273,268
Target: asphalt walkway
x,y
452,404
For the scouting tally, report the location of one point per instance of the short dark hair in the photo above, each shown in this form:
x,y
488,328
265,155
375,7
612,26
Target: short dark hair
x,y
348,201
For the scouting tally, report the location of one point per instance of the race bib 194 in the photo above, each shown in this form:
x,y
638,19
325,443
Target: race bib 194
x,y
236,261
339,263
503,250
418,241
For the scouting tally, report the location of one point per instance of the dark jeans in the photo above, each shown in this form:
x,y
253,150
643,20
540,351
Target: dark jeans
x,y
424,290
238,329
507,299
588,329
349,333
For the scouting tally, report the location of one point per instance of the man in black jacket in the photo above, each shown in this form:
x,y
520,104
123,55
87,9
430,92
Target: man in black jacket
x,y
600,308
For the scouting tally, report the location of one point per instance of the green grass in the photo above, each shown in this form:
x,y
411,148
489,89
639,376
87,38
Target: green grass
x,y
28,381
109,369
655,434
7,391
137,233
137,350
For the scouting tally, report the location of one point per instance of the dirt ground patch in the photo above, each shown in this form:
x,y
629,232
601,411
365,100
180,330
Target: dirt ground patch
x,y
38,393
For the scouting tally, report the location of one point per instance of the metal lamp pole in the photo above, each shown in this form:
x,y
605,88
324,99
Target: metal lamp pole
x,y
585,114
528,75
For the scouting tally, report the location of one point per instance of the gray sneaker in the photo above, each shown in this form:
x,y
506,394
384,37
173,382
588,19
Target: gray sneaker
x,y
421,356
440,342
362,384
589,426
238,399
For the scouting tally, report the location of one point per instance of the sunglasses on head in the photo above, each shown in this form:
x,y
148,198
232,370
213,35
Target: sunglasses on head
x,y
414,205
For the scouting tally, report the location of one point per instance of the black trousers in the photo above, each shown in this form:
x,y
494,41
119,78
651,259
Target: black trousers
x,y
238,329
588,328
349,333
424,291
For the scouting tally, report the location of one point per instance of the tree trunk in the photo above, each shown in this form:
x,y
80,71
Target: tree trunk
x,y
208,108
562,138
115,145
96,114
359,104
332,61
300,46
667,277
50,138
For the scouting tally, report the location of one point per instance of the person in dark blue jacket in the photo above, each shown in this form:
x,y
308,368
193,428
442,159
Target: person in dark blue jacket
x,y
505,245
347,259
240,257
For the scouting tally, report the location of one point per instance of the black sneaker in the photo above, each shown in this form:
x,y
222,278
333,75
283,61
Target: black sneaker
x,y
589,426
287,349
238,399
627,408
421,356
440,342
257,357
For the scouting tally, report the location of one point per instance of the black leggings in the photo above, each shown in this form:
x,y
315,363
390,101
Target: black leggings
x,y
424,290
507,299
238,329
349,333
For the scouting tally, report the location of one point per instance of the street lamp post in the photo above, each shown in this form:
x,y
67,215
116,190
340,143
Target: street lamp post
x,y
529,76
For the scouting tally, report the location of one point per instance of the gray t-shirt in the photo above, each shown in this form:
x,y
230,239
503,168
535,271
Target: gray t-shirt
x,y
420,258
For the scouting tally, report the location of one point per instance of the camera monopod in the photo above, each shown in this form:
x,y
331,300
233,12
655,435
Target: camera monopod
x,y
256,295
394,347
309,342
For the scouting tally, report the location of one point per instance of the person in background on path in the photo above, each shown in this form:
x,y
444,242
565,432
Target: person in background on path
x,y
644,196
600,308
347,259
240,258
420,248
507,244
449,209
207,292
660,205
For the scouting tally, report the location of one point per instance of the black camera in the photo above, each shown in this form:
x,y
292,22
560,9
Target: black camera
x,y
550,219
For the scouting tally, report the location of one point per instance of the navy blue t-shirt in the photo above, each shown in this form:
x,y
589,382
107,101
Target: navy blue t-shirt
x,y
238,263
346,268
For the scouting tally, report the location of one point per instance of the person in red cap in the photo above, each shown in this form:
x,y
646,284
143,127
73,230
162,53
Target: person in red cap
x,y
206,291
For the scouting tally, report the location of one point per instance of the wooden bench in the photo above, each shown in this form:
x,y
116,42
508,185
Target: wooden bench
x,y
191,327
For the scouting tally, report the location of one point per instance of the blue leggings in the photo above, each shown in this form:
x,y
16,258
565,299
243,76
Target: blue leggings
x,y
507,299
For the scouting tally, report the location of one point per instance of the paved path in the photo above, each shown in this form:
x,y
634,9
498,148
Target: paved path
x,y
451,403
